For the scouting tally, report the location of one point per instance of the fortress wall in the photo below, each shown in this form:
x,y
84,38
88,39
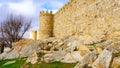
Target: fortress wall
x,y
33,35
91,20
38,35
70,16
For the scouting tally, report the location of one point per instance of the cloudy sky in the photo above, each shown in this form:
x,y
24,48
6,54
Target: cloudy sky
x,y
29,8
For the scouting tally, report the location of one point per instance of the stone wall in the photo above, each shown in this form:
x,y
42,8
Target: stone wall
x,y
90,20
33,35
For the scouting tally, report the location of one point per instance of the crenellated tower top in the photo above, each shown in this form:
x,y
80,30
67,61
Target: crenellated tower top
x,y
46,13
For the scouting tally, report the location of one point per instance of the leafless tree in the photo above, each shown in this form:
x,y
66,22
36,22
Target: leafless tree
x,y
13,28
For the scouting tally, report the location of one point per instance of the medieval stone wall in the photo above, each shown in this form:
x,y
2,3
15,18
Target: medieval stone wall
x,y
33,35
90,20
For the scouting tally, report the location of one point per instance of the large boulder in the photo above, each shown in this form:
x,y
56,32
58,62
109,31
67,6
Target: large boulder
x,y
114,47
103,60
89,58
58,55
29,49
33,58
21,51
48,58
73,44
13,54
87,61
2,56
84,50
7,49
55,56
72,57
105,43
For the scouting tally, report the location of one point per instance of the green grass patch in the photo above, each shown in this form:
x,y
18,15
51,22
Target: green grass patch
x,y
20,63
17,64
51,65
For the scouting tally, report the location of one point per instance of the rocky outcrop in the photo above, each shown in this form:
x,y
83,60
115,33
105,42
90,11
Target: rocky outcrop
x,y
72,57
55,56
48,58
21,51
114,47
86,61
33,58
68,50
103,60
12,54
84,50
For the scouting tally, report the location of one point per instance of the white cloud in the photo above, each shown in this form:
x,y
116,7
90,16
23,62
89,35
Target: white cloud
x,y
26,7
53,5
56,4
0,5
54,11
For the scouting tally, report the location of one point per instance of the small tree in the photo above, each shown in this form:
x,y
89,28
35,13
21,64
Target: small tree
x,y
13,28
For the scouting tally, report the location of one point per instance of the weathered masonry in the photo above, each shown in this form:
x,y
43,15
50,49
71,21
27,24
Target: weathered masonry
x,y
90,20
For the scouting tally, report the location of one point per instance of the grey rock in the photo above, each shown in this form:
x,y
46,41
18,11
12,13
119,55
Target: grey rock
x,y
12,54
72,57
114,47
89,58
21,51
105,43
28,50
55,56
103,60
2,55
48,58
87,61
7,49
58,55
33,58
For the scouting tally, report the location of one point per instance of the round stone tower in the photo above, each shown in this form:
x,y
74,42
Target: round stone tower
x,y
46,25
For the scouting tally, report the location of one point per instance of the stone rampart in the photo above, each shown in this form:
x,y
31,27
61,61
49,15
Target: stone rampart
x,y
91,20
33,35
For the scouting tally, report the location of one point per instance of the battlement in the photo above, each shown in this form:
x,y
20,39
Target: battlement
x,y
46,13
